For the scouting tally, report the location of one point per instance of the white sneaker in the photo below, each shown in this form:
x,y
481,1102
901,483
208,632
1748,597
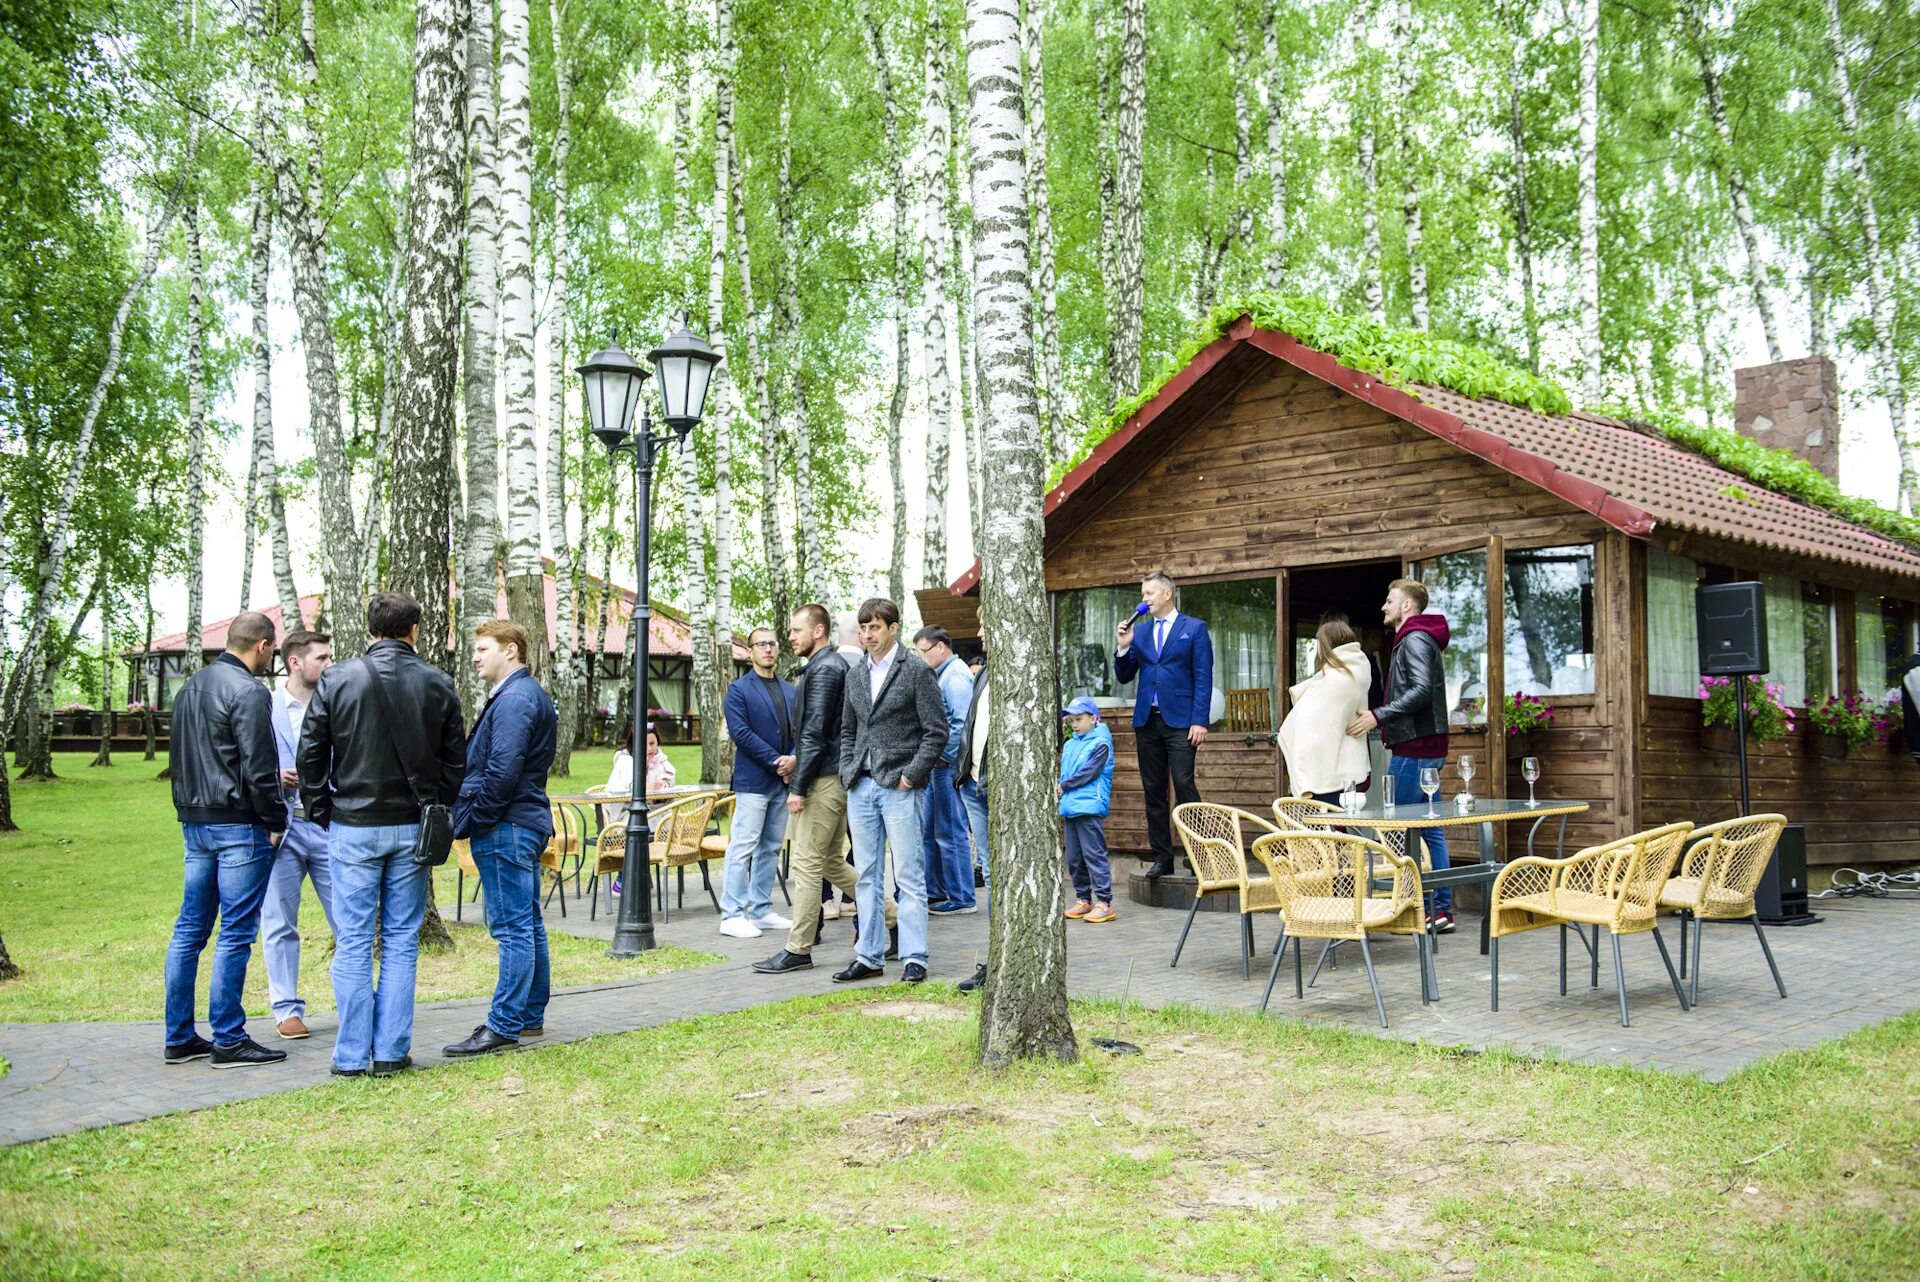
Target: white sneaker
x,y
773,921
739,928
831,910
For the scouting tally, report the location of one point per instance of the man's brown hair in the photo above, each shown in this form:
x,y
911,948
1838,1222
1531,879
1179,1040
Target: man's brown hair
x,y
1412,589
298,643
814,615
507,632
248,630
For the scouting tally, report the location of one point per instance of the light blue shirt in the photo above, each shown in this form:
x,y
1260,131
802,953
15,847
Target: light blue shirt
x,y
956,692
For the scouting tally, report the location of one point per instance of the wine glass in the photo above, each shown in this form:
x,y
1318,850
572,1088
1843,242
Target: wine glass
x,y
1466,775
1530,771
1430,784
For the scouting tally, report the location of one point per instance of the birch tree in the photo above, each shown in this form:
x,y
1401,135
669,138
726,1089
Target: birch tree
x,y
765,411
1024,1010
526,591
810,566
480,535
1370,228
1274,85
1040,195
933,300
1103,94
1879,300
1516,18
103,755
565,683
1589,258
899,297
1409,162
196,441
269,492
1129,177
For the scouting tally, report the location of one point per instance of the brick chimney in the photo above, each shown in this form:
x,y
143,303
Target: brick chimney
x,y
1792,405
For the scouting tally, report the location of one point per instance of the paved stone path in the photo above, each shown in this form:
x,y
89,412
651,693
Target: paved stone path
x,y
1860,966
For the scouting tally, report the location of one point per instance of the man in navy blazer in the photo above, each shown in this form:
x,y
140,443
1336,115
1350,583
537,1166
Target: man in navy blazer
x,y
1172,655
759,708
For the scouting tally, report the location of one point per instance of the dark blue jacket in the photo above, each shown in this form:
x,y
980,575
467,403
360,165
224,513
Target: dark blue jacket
x,y
507,761
1180,676
754,724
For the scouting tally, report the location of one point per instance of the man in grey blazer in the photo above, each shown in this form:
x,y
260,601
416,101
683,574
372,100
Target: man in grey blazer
x,y
303,852
893,728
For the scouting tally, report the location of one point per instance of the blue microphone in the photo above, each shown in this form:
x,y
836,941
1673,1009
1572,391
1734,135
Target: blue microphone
x,y
1138,610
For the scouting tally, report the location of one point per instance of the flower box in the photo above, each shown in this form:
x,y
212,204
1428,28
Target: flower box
x,y
1716,738
1825,746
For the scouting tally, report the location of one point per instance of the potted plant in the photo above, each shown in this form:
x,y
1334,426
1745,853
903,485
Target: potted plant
x,y
1840,724
1527,717
1767,718
1890,726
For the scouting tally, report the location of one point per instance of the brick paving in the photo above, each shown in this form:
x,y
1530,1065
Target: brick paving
x,y
1860,966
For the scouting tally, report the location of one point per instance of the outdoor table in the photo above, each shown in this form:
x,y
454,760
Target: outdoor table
x,y
1393,823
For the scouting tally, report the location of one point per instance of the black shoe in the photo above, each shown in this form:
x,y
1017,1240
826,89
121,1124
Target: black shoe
x,y
245,1053
979,979
388,1067
915,973
483,1042
893,943
1158,871
979,879
187,1052
783,961
348,1072
856,971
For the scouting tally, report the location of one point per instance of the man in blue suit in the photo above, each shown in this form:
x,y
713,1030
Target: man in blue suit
x,y
303,852
759,709
1172,655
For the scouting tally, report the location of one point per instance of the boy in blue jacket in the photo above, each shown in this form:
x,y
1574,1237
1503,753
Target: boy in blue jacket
x,y
1086,788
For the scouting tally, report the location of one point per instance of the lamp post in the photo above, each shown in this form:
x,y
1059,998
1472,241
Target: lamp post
x,y
683,365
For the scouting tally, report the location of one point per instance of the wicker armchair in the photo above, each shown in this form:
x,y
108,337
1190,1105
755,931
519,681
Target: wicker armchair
x,y
462,865
1717,876
568,842
1616,885
677,830
1290,812
1322,881
1212,835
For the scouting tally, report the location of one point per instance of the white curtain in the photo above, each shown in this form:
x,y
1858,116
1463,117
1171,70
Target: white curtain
x,y
1673,637
1786,643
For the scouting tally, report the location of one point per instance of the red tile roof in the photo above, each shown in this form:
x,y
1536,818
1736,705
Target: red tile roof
x,y
1629,477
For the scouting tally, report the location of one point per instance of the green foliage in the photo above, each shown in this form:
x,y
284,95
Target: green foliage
x,y
1526,713
1768,718
1854,717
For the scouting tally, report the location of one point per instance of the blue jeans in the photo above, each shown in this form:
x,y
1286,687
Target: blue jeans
x,y
227,866
949,853
508,857
753,854
880,818
974,799
1405,773
302,854
374,875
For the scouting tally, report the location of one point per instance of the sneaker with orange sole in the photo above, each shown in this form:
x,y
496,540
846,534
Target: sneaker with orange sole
x,y
1080,909
1100,913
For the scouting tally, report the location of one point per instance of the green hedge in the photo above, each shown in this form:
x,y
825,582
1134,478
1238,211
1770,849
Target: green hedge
x,y
1402,357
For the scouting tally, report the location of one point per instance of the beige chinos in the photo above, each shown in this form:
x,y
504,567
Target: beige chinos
x,y
819,837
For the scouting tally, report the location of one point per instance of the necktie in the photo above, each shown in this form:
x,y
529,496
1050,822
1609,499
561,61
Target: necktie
x,y
1159,635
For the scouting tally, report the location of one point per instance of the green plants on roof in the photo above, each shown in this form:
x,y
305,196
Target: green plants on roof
x,y
1403,357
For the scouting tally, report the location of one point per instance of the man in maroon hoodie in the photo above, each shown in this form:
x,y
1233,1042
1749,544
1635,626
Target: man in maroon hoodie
x,y
1413,720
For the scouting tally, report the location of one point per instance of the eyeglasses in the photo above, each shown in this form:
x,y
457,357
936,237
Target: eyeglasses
x,y
766,645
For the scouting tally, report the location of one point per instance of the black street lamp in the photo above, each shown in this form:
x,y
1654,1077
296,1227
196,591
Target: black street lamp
x,y
684,365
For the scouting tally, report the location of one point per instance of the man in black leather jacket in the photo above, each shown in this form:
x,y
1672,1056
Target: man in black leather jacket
x,y
816,798
226,794
1413,720
354,785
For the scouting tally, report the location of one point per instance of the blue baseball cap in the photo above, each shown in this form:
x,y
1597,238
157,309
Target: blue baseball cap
x,y
1081,705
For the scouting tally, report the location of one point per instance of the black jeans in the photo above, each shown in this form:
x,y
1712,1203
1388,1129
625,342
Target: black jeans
x,y
1163,751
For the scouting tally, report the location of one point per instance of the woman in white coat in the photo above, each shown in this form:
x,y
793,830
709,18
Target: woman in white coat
x,y
1321,758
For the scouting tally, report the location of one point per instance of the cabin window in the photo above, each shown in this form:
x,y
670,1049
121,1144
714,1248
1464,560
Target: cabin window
x,y
1549,621
1673,636
1084,624
1819,642
1242,617
1457,588
1882,642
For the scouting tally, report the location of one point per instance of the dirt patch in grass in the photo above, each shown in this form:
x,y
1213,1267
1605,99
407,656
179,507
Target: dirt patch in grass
x,y
916,1012
889,1135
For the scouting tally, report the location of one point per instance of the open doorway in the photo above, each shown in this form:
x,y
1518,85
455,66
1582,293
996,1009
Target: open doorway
x,y
1355,591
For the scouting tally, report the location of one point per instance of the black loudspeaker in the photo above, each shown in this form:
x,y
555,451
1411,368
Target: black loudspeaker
x,y
1732,619
1781,899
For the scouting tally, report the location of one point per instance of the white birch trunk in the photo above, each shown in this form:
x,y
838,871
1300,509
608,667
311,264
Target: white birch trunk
x,y
1589,264
901,292
196,436
428,357
526,593
1409,177
810,569
1024,1011
1879,299
1522,212
1033,38
480,535
1370,229
934,122
1276,154
1103,94
716,749
1243,87
373,516
564,684
1129,247
765,411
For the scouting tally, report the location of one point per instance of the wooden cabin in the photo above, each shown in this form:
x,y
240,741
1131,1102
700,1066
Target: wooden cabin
x,y
1277,485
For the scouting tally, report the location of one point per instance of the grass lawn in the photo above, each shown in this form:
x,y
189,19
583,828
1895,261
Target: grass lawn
x,y
90,886
850,1137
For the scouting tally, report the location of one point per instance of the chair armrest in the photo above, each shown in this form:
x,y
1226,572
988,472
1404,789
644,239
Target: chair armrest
x,y
1529,875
